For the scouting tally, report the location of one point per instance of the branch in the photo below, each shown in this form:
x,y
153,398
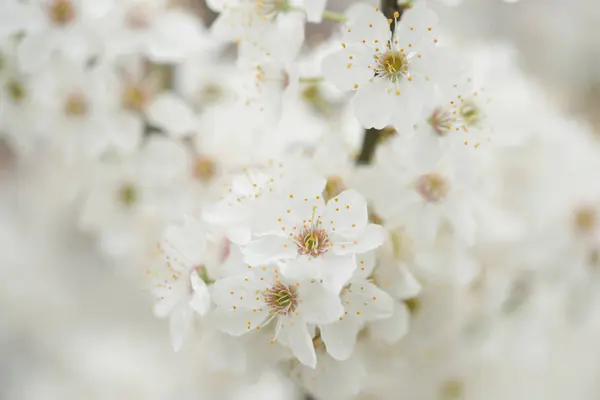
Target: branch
x,y
371,136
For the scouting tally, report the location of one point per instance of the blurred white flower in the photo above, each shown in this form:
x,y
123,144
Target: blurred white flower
x,y
181,284
71,27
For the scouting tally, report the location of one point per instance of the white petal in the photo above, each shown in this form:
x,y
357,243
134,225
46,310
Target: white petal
x,y
176,34
295,334
410,286
34,51
317,304
358,10
370,29
366,301
180,325
347,67
200,301
392,329
464,224
340,337
407,108
238,292
303,269
337,270
184,246
127,131
238,322
346,213
162,160
287,37
373,104
164,305
372,237
418,27
314,10
422,221
169,112
239,235
269,248
365,264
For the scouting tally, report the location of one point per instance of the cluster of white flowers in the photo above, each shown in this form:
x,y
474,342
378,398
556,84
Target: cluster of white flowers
x,y
217,168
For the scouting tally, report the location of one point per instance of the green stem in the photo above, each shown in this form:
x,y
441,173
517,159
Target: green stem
x,y
316,79
335,17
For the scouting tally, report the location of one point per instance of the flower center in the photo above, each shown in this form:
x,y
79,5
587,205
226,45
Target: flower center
x,y
470,113
138,17
441,121
61,12
76,105
128,195
281,299
15,90
205,168
134,97
392,65
585,220
211,93
452,390
312,241
432,187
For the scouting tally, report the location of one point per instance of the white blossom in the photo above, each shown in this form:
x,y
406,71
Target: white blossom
x,y
391,73
321,239
251,302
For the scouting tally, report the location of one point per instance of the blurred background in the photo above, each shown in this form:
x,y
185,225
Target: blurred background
x,y
72,324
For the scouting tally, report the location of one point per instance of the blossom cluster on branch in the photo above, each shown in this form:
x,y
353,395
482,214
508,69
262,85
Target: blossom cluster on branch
x,y
216,168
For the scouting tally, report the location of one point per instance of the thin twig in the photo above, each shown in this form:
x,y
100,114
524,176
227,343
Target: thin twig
x,y
371,136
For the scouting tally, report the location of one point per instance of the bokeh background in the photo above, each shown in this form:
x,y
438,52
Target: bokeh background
x,y
72,324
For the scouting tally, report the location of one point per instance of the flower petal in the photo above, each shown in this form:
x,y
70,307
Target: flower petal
x,y
372,237
371,28
340,337
346,214
294,334
337,270
200,301
373,104
317,304
366,301
180,325
347,68
169,112
394,328
314,10
164,304
268,248
184,246
238,322
365,263
238,292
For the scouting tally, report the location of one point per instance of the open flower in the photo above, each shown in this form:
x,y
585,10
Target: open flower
x,y
322,240
363,301
180,285
392,74
251,302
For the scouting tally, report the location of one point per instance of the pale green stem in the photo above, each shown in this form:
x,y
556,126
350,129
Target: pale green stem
x,y
316,79
335,17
